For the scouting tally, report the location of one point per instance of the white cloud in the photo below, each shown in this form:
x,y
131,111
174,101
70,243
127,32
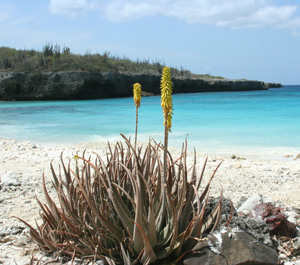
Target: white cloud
x,y
263,16
129,10
291,24
226,13
72,8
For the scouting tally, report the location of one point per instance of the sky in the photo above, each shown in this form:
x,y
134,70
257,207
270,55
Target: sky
x,y
236,39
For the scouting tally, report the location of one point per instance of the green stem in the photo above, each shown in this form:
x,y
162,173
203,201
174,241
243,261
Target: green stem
x,y
164,180
136,125
165,154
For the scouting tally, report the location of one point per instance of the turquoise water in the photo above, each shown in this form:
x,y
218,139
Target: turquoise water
x,y
211,121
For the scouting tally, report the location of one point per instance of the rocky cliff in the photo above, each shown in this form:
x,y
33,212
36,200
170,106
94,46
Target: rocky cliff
x,y
95,85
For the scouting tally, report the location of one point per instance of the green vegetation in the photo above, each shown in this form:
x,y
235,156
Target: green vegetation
x,y
54,58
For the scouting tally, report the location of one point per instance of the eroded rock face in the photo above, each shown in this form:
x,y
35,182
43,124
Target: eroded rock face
x,y
95,85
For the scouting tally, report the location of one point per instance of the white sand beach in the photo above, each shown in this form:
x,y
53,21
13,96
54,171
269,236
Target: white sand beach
x,y
275,175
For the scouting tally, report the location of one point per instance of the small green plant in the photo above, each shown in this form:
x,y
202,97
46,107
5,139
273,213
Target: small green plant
x,y
54,58
137,96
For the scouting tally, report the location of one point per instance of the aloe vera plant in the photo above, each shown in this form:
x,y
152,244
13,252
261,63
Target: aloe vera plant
x,y
112,207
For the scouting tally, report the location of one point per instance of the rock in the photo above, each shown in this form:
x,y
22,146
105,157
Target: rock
x,y
94,85
2,231
249,204
273,85
231,247
279,225
241,201
11,230
233,156
237,166
297,244
33,146
25,261
257,227
9,179
8,239
276,220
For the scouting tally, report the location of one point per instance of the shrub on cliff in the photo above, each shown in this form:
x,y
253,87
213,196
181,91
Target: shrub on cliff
x,y
54,58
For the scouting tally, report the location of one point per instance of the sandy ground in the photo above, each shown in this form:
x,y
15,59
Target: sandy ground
x,y
276,176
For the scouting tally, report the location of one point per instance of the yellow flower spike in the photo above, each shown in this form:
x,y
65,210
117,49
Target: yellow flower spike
x,y
166,96
137,94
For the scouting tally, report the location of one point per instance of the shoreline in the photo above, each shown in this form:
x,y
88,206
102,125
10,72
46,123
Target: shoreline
x,y
23,163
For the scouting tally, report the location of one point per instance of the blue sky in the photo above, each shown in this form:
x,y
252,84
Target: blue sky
x,y
252,39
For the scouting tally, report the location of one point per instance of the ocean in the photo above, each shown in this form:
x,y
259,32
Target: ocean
x,y
211,122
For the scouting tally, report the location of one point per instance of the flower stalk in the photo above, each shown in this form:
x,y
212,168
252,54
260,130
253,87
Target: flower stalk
x,y
137,96
167,106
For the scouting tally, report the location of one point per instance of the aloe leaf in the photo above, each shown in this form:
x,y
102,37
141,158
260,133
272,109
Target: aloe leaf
x,y
198,228
151,231
137,235
114,229
187,209
51,221
178,244
216,213
151,224
50,202
104,180
194,172
206,190
202,173
181,200
126,256
66,172
33,233
117,201
54,175
158,193
129,144
148,255
167,251
126,194
159,199
120,209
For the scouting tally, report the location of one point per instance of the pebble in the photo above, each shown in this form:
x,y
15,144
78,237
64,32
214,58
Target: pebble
x,y
33,146
8,239
252,201
237,166
9,179
26,261
297,243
